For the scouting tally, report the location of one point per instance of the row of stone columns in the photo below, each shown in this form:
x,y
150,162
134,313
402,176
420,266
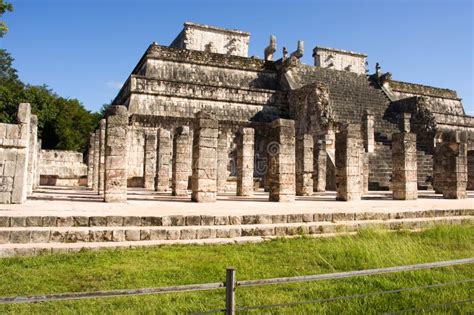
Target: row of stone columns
x,y
290,161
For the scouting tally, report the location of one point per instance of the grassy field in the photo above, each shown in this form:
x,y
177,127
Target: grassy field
x,y
172,265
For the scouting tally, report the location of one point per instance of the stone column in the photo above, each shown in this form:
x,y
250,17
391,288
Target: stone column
x,y
21,168
181,161
95,177
369,132
454,169
90,161
320,165
470,170
365,172
222,160
37,171
204,178
281,170
32,148
163,159
149,165
304,165
102,125
115,156
404,167
245,161
348,151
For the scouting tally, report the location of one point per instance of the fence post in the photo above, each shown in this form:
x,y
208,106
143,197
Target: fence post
x,y
230,291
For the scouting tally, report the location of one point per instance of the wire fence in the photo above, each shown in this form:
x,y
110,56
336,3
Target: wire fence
x,y
231,284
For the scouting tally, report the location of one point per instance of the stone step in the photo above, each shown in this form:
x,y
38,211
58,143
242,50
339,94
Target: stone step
x,y
197,220
254,233
24,235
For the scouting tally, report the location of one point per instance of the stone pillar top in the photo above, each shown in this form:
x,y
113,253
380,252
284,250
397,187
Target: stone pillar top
x,y
116,110
283,123
24,113
406,122
182,130
247,131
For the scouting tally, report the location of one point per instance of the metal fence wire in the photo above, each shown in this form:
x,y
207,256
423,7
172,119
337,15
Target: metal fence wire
x,y
231,284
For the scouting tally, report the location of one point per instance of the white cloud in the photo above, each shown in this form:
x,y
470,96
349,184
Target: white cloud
x,y
114,85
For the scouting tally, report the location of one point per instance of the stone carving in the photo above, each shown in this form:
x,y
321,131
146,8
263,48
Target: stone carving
x,y
271,48
285,53
311,108
210,48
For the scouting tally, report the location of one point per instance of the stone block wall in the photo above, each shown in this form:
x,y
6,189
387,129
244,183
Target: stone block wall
x,y
62,168
338,59
14,151
213,39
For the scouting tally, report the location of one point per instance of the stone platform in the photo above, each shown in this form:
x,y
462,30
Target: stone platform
x,y
65,219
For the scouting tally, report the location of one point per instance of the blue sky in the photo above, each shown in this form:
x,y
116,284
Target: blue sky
x,y
86,49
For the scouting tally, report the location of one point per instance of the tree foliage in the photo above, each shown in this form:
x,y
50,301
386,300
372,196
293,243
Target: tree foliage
x,y
62,123
4,7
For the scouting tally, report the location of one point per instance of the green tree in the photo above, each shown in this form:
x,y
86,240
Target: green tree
x,y
4,7
62,123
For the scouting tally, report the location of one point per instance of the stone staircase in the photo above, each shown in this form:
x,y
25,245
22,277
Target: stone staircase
x,y
380,173
21,235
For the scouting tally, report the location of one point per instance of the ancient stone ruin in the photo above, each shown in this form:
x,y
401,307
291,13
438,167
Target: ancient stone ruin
x,y
204,144
200,117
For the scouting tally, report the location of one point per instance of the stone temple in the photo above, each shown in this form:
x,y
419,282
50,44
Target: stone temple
x,y
200,119
207,69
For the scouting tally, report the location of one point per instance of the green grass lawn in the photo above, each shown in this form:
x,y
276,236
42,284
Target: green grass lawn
x,y
173,265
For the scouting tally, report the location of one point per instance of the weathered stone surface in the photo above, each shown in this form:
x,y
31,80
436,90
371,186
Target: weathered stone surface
x,y
304,165
32,156
163,160
245,161
281,157
404,166
222,160
90,161
470,170
204,176
452,172
101,178
181,161
348,155
149,168
116,154
61,168
96,173
15,146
